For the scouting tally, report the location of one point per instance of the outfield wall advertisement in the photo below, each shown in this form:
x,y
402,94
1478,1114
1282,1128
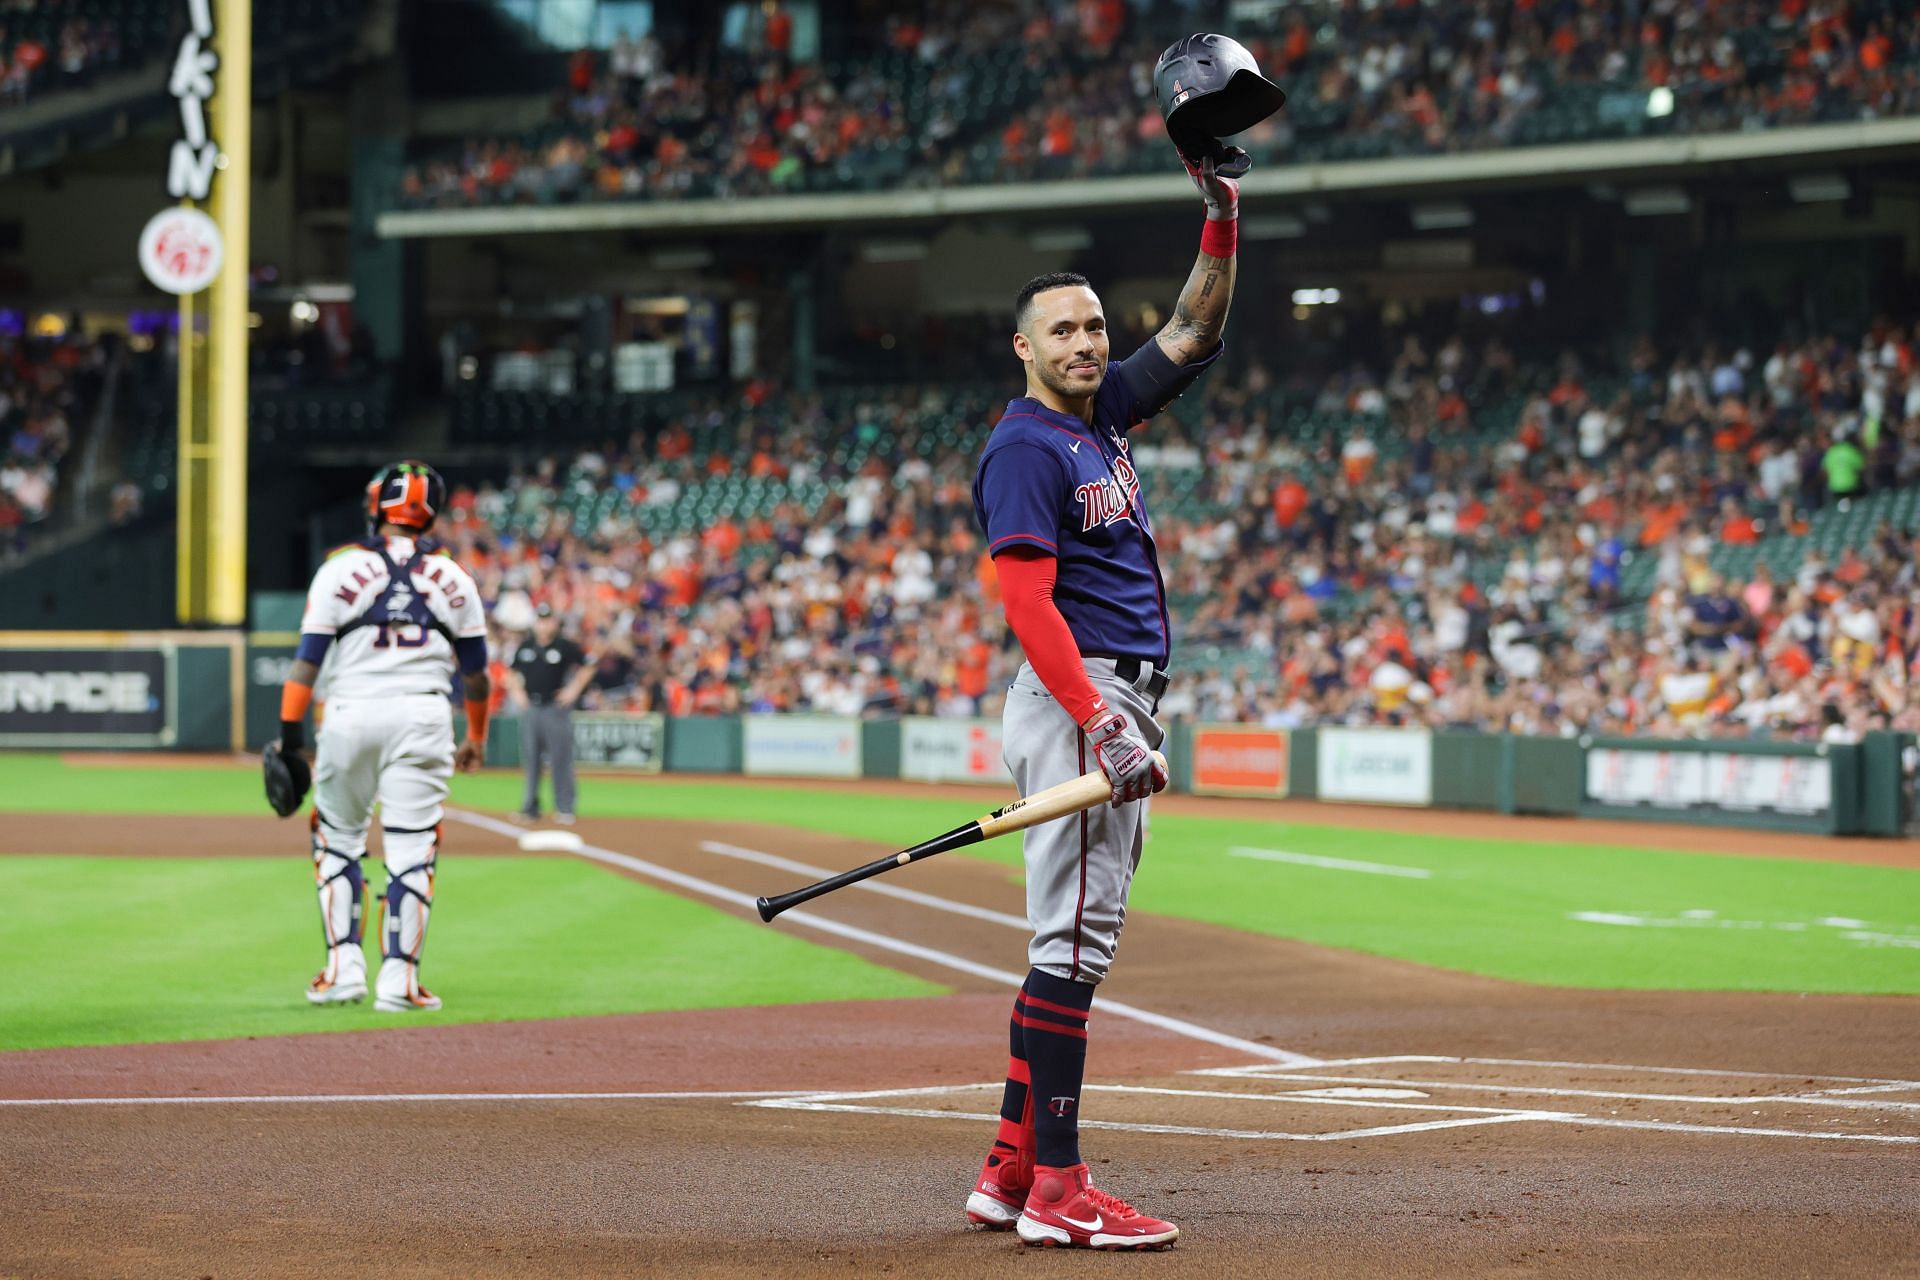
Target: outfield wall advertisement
x,y
936,750
1239,760
802,746
1798,785
1375,766
86,697
615,741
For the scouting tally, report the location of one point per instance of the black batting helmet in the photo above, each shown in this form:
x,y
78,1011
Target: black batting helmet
x,y
1210,88
409,494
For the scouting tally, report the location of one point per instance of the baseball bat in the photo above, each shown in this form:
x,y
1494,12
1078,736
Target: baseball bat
x,y
1058,801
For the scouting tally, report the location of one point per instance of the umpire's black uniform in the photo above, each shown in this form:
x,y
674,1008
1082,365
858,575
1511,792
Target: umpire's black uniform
x,y
547,663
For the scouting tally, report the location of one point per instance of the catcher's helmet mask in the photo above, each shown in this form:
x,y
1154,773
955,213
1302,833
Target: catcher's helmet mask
x,y
1210,87
409,494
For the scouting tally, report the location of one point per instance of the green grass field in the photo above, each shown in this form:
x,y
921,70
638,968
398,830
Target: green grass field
x,y
123,950
1548,913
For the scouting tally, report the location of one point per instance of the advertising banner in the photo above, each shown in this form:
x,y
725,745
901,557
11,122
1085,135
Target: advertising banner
x,y
1378,766
937,750
1710,780
804,746
613,741
1239,760
86,698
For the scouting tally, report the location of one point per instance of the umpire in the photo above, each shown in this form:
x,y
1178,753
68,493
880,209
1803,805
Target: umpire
x,y
549,673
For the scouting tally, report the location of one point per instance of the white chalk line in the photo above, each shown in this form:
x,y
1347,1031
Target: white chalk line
x,y
866,1103
894,891
1122,1126
1674,1126
305,1099
1560,1091
1890,1083
1330,864
1308,1098
884,942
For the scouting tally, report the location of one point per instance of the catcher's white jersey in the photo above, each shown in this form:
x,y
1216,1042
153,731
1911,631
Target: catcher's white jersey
x,y
391,638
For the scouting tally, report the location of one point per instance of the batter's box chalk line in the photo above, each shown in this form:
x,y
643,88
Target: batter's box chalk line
x,y
1333,1084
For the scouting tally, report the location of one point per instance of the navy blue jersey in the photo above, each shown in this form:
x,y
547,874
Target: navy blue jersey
x,y
1049,480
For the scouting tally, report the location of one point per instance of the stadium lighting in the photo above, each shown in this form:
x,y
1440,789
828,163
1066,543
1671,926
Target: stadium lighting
x,y
305,311
1650,202
1442,215
1659,103
1817,188
1315,297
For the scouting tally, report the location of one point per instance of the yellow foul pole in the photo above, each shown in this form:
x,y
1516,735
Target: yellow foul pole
x,y
212,534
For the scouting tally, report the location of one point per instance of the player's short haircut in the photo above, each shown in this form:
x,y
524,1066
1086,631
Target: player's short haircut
x,y
1040,284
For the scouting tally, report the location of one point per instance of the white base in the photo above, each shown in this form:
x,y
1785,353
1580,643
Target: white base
x,y
548,841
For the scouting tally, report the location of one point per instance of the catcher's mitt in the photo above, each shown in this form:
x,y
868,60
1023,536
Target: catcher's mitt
x,y
288,777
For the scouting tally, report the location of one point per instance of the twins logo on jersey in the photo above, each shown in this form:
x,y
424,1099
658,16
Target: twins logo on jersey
x,y
1110,499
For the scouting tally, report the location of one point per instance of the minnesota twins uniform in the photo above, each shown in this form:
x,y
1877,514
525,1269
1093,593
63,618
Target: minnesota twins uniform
x,y
392,617
1051,481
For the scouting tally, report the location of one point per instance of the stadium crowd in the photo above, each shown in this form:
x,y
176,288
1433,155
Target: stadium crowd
x,y
1472,542
42,57
1364,80
47,387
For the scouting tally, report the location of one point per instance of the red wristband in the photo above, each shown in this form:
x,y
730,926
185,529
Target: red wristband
x,y
1220,239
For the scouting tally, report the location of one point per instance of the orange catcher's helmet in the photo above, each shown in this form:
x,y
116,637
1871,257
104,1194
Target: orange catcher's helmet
x,y
409,494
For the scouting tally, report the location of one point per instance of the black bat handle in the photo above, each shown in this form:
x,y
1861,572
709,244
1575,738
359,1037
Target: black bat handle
x,y
954,839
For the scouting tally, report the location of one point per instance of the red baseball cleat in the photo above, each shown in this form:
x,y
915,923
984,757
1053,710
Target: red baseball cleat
x,y
1065,1209
1002,1189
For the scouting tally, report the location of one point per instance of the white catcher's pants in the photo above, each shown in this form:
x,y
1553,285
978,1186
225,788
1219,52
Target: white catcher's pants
x,y
396,751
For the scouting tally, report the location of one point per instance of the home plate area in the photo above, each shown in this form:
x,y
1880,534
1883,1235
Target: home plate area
x,y
1350,1099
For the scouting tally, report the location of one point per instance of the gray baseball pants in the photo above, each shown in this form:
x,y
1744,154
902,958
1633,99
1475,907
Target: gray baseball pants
x,y
546,732
1080,867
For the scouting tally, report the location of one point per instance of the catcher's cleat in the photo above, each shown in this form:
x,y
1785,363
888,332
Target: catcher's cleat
x,y
399,989
344,980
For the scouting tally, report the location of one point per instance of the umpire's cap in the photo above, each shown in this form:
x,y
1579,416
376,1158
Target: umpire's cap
x,y
1209,88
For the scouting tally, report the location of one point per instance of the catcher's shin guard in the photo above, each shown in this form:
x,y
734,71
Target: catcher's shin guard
x,y
410,864
341,887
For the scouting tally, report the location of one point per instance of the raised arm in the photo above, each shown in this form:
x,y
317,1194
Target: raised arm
x,y
1200,314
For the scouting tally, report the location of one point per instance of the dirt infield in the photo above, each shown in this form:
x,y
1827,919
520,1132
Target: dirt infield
x,y
1297,1110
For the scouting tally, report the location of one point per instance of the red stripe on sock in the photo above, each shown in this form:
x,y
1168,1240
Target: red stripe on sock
x,y
1033,1001
1055,1027
1018,1071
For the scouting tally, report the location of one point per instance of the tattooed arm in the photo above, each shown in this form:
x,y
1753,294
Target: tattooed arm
x,y
1200,315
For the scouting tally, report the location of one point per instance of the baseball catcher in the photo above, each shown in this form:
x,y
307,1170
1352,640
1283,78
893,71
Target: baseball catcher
x,y
399,616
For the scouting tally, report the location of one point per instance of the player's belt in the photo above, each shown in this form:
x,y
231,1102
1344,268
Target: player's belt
x,y
1142,676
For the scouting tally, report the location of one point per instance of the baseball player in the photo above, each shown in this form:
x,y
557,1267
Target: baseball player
x,y
1066,523
392,616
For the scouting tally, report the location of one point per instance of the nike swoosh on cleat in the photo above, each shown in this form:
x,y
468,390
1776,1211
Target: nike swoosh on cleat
x,y
1092,1224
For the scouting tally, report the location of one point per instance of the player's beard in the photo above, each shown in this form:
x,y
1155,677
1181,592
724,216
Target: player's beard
x,y
1070,386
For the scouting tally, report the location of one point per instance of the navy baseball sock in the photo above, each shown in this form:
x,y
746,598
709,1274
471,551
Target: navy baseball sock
x,y
1052,1016
1016,1104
